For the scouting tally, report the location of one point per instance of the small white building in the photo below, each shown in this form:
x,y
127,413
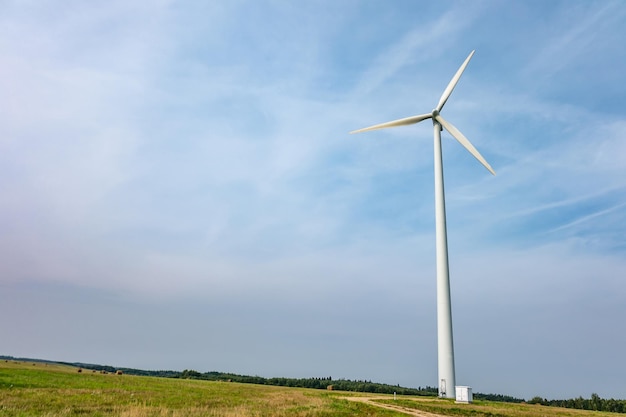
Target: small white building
x,y
464,394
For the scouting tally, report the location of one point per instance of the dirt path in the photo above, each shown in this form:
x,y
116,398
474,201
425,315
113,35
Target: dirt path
x,y
400,409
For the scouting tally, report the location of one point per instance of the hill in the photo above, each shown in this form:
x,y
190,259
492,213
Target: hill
x,y
595,403
53,389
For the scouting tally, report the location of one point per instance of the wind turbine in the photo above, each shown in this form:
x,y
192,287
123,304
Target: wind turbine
x,y
445,344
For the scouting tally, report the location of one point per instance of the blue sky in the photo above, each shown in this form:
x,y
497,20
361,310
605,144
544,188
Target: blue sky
x,y
179,189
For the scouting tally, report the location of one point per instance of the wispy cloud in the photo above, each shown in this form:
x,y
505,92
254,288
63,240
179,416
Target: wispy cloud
x,y
192,162
585,24
415,47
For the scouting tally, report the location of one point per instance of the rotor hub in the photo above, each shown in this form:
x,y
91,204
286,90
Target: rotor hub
x,y
435,113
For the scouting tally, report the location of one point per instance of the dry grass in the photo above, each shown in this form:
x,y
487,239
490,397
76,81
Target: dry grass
x,y
491,409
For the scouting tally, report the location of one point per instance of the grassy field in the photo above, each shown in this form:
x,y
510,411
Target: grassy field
x,y
28,389
490,409
38,389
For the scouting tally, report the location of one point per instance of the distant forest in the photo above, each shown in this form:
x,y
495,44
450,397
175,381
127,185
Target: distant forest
x,y
328,383
594,403
316,383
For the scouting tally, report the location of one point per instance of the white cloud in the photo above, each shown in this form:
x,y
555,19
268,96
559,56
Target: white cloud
x,y
198,158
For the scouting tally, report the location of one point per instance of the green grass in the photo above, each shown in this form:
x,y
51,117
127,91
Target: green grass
x,y
56,390
39,389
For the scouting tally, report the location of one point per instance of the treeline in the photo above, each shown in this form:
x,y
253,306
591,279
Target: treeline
x,y
95,367
315,383
129,371
595,403
336,384
498,397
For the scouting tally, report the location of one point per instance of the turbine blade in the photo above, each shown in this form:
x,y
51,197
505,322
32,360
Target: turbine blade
x,y
453,82
464,141
400,122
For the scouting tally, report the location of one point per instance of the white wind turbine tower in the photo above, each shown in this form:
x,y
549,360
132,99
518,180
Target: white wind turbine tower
x,y
444,310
